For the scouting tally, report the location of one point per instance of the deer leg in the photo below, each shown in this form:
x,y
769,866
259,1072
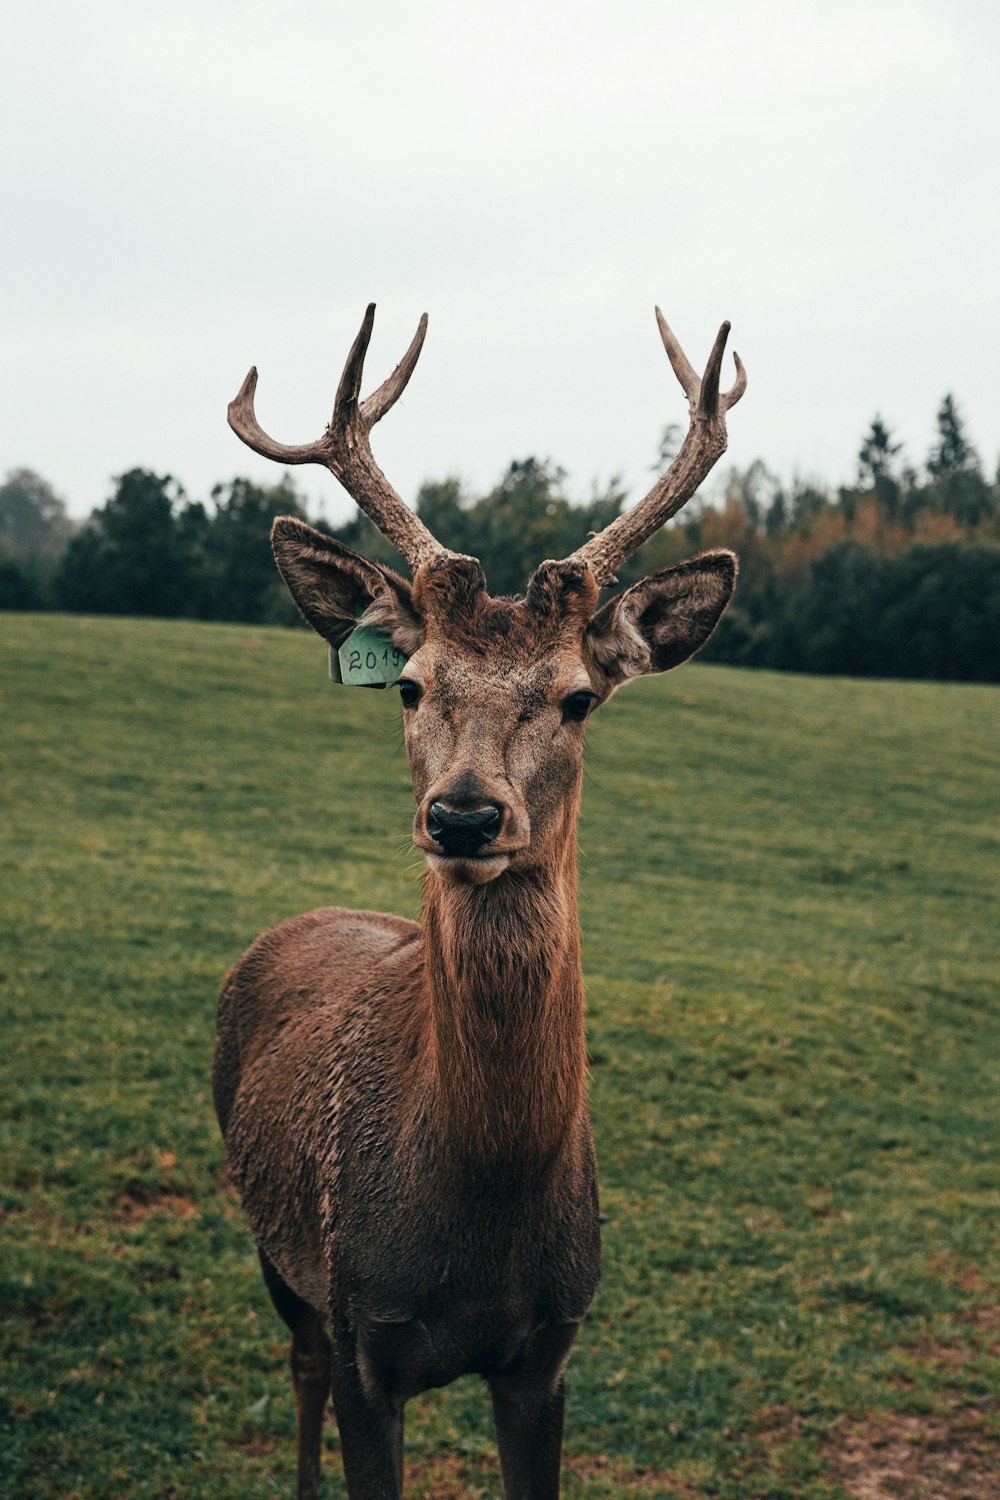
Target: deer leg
x,y
309,1357
370,1423
529,1435
528,1401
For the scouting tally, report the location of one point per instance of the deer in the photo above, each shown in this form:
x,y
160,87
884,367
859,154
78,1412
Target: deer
x,y
404,1105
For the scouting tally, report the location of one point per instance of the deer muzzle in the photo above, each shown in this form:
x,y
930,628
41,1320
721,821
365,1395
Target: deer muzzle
x,y
463,832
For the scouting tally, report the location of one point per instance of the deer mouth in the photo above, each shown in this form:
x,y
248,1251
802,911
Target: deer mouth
x,y
468,869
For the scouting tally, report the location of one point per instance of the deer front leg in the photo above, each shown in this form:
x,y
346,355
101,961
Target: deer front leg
x,y
528,1402
309,1358
310,1362
529,1436
370,1423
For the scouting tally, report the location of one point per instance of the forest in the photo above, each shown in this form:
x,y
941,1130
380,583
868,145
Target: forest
x,y
896,574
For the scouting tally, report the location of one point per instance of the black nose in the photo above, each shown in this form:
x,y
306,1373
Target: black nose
x,y
462,832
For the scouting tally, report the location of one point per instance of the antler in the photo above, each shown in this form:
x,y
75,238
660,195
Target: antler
x,y
704,446
345,448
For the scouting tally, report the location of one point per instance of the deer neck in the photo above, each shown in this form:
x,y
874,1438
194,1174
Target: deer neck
x,y
504,990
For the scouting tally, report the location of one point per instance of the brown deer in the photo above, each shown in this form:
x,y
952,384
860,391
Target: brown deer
x,y
405,1106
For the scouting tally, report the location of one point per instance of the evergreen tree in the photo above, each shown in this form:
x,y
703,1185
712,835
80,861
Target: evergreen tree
x,y
953,465
952,453
875,465
876,455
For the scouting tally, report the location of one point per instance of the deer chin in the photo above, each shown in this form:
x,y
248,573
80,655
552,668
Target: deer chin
x,y
467,869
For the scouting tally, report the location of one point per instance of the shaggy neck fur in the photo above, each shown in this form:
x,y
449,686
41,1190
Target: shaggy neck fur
x,y
504,991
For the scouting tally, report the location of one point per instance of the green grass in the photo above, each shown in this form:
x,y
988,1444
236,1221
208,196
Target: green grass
x,y
789,907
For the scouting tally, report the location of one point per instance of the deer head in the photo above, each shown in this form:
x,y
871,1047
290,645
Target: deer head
x,y
497,692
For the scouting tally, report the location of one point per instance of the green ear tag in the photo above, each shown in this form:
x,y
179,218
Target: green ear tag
x,y
366,659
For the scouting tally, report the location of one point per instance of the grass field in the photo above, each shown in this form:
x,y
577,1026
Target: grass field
x,y
790,913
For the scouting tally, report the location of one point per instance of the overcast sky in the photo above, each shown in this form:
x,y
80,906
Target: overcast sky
x,y
191,188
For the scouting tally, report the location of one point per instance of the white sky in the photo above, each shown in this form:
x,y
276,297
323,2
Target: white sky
x,y
191,188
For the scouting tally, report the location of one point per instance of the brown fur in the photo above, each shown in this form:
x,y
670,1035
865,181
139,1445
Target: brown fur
x,y
404,1106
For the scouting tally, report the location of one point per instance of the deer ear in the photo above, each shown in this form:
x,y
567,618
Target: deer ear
x,y
665,618
333,585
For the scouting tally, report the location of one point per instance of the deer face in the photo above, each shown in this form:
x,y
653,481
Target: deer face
x,y
495,703
496,693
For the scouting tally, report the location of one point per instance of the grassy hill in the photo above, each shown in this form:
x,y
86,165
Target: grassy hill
x,y
789,907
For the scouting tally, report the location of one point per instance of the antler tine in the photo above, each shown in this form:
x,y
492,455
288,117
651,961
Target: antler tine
x,y
708,396
738,386
703,446
682,366
375,406
243,420
345,449
346,400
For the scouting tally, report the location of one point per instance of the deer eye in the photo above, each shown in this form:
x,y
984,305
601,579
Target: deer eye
x,y
577,705
410,693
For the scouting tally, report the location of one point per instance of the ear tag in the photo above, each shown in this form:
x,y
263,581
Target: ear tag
x,y
366,659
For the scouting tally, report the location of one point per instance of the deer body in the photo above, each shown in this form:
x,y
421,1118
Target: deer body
x,y
404,1106
425,1220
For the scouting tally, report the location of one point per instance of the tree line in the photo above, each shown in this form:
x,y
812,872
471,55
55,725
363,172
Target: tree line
x,y
896,574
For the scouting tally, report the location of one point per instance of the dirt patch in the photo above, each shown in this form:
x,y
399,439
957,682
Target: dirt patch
x,y
255,1444
903,1456
138,1201
775,1425
932,1351
444,1475
985,1316
942,1355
